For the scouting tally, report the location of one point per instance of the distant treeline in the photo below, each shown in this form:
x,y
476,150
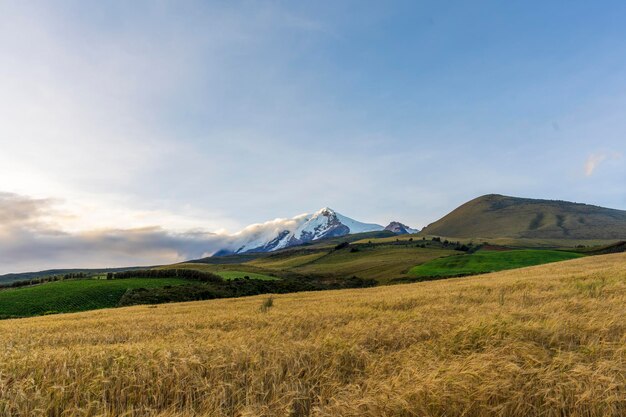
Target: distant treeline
x,y
43,280
238,288
206,285
455,245
189,274
436,242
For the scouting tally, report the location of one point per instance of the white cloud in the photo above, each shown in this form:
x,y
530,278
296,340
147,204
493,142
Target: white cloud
x,y
34,236
31,239
595,159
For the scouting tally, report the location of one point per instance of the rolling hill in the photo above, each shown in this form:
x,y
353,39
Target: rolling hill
x,y
72,295
498,216
370,259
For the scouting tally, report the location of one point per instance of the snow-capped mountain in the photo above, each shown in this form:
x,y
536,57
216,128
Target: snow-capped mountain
x,y
280,234
283,233
400,229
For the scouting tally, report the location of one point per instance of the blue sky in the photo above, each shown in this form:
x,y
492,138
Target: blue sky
x,y
209,116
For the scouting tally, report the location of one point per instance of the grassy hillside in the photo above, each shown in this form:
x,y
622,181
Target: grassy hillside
x,y
494,216
226,271
542,341
72,295
387,260
290,260
229,275
379,263
297,269
488,261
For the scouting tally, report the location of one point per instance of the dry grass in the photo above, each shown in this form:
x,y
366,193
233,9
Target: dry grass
x,y
542,341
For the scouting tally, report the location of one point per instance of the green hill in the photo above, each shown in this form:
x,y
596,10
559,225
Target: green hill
x,y
72,295
488,261
498,216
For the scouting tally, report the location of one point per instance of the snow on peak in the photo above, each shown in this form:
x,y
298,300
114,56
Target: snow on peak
x,y
282,233
325,211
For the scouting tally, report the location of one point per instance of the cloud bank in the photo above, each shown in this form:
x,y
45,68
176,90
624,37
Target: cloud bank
x,y
33,238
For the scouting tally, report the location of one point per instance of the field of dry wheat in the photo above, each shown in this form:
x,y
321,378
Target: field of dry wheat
x,y
541,341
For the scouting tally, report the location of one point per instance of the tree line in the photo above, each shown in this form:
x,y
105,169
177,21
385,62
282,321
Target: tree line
x,y
43,280
239,288
190,274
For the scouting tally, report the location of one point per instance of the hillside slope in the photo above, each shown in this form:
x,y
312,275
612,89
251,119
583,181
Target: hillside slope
x,y
542,341
493,216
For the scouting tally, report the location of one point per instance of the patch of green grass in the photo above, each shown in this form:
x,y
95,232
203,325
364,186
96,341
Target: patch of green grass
x,y
287,261
229,275
381,263
73,295
488,261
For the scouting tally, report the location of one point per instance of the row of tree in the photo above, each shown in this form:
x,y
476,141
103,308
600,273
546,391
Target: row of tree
x,y
239,288
190,274
43,280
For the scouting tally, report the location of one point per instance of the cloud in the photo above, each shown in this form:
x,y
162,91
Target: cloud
x,y
595,159
32,237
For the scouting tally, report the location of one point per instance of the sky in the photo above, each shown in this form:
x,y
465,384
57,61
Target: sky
x,y
137,133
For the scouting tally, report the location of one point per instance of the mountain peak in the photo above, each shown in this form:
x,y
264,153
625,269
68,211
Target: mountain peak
x,y
400,229
324,223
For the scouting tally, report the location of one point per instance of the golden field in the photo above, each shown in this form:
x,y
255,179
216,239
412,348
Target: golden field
x,y
540,341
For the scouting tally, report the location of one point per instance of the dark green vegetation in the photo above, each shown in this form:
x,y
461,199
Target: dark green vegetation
x,y
152,286
488,261
497,216
618,247
72,295
230,275
238,288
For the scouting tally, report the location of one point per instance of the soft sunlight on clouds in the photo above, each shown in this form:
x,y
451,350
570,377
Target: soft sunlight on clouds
x,y
30,239
34,235
145,120
595,159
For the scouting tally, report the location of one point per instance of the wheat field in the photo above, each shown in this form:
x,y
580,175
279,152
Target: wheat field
x,y
540,341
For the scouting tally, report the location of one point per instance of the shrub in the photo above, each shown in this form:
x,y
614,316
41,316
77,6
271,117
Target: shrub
x,y
267,304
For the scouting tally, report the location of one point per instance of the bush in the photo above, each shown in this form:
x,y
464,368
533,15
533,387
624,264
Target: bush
x,y
267,304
